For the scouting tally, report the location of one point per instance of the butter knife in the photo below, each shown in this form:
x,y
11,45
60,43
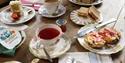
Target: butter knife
x,y
87,30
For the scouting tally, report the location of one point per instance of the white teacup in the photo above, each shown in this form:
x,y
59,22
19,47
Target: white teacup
x,y
48,42
51,6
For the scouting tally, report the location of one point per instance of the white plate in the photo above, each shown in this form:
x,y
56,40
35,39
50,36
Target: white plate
x,y
23,36
18,41
26,16
42,10
80,3
118,47
12,62
82,20
55,51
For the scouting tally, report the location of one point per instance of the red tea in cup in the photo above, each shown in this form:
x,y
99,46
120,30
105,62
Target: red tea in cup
x,y
48,33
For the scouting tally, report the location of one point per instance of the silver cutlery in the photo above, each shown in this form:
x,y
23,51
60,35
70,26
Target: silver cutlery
x,y
89,29
47,54
56,12
72,60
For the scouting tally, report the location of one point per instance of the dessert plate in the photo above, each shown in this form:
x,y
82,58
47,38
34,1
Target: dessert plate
x,y
58,49
82,20
13,41
43,11
80,3
118,47
27,14
12,62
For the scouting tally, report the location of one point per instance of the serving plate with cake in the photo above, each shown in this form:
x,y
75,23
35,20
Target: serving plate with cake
x,y
86,2
16,13
105,40
84,16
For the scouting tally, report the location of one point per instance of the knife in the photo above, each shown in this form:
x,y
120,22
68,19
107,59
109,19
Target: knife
x,y
89,29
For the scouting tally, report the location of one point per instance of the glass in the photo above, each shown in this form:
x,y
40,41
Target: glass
x,y
62,24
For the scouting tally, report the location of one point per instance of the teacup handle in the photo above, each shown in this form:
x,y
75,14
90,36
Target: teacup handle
x,y
38,44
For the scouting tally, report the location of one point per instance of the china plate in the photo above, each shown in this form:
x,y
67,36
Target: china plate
x,y
44,13
80,3
27,14
60,48
12,62
118,47
82,20
20,37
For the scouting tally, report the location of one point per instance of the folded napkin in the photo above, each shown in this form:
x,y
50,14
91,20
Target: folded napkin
x,y
33,3
86,57
8,52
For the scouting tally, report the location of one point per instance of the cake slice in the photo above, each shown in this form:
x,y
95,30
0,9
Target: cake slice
x,y
93,14
15,6
83,12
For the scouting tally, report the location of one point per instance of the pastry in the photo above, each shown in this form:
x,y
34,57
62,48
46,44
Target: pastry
x,y
111,36
83,12
95,40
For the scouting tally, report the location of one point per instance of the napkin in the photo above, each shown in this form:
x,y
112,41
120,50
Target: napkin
x,y
33,3
8,52
86,57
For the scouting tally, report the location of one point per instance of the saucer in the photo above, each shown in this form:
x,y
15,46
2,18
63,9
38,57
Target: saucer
x,y
27,14
43,11
80,3
62,46
83,20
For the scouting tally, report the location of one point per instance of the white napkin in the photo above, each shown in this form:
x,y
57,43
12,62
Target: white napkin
x,y
86,57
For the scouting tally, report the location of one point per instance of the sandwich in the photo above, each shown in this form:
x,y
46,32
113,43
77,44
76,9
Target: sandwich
x,y
83,12
93,14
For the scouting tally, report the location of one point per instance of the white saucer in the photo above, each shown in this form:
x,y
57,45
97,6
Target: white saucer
x,y
82,20
28,13
80,3
54,51
43,11
118,47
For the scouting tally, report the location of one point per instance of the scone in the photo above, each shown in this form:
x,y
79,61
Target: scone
x,y
93,14
86,1
83,12
94,40
111,36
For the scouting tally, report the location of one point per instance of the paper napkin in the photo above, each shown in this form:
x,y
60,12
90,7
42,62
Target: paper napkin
x,y
86,57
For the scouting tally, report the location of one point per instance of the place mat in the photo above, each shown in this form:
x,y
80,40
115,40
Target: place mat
x,y
86,57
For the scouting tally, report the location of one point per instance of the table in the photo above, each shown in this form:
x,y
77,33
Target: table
x,y
109,9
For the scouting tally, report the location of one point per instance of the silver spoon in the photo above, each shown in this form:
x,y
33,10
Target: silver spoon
x,y
47,54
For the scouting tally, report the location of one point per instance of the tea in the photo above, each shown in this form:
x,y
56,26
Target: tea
x,y
48,33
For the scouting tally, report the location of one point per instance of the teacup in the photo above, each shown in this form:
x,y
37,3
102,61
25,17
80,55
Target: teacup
x,y
48,34
51,6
